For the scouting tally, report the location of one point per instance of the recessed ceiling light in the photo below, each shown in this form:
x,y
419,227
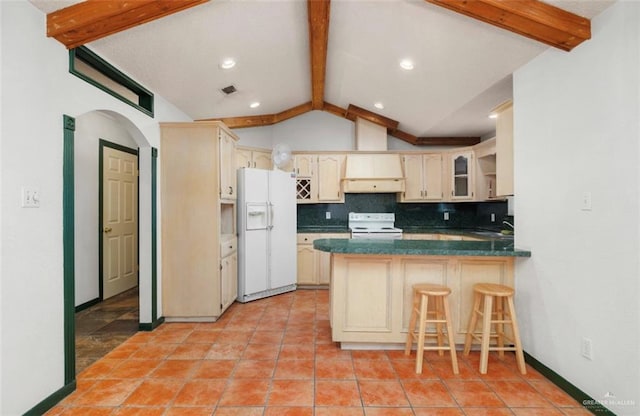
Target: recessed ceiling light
x,y
493,115
228,63
379,106
406,64
254,104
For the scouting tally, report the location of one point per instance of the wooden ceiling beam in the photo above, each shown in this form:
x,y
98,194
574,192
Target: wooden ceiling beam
x,y
531,18
447,141
85,22
263,119
318,11
403,135
334,109
355,111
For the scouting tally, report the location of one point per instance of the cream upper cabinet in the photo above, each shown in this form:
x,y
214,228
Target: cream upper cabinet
x,y
228,179
329,175
461,169
253,158
306,179
485,153
305,165
262,159
423,177
318,177
504,149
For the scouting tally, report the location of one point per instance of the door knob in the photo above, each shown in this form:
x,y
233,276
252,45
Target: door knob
x,y
107,229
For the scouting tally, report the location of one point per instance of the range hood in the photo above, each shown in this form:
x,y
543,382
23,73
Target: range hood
x,y
373,172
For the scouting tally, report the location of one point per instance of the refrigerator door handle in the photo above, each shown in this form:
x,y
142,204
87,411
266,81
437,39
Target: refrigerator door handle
x,y
270,217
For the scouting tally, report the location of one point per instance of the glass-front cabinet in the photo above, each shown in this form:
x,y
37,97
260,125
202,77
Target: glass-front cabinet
x,y
462,178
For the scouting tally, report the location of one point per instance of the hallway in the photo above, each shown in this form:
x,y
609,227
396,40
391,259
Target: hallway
x,y
275,357
105,325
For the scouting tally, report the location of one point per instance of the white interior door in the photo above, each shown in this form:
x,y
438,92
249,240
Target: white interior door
x,y
119,222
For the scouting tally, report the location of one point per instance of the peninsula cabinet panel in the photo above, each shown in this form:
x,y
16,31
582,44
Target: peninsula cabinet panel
x,y
468,273
371,295
417,271
362,297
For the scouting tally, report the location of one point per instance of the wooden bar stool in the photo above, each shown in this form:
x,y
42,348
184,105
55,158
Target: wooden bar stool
x,y
440,317
497,313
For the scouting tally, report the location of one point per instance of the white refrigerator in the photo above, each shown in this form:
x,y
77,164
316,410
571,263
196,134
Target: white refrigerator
x,y
266,233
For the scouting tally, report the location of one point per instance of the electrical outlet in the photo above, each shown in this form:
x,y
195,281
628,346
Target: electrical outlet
x,y
493,217
586,348
446,216
327,215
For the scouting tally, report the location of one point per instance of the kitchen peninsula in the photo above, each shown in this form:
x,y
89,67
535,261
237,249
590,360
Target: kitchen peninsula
x,y
371,280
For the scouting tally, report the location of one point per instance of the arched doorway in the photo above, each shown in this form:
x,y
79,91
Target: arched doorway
x,y
88,133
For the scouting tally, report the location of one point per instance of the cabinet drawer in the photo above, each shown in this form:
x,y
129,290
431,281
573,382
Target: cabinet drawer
x,y
307,238
228,246
374,185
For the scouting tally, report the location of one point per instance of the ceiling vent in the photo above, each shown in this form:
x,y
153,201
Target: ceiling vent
x,y
229,90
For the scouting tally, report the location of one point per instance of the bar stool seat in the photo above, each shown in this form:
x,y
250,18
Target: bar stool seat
x,y
493,303
440,317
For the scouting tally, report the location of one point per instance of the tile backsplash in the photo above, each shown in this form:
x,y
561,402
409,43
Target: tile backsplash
x,y
461,214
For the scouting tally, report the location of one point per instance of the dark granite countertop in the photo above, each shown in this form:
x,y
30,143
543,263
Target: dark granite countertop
x,y
497,248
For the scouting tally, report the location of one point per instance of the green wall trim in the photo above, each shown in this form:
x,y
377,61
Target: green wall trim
x,y
101,145
48,403
583,398
68,236
145,97
87,305
150,326
154,234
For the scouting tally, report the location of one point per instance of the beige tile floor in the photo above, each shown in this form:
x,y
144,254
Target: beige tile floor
x,y
275,357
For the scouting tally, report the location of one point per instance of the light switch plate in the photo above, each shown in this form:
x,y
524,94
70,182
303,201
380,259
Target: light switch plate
x,y
586,201
30,197
327,215
446,216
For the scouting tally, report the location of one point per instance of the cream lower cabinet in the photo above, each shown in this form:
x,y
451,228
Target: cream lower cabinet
x,y
228,270
314,266
229,280
412,236
371,296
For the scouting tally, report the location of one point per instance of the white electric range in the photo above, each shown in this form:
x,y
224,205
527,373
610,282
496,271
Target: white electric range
x,y
374,225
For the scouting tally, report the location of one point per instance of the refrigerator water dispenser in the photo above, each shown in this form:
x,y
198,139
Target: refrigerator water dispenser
x,y
256,216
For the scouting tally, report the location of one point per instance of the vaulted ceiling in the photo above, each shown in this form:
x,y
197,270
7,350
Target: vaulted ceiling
x,y
294,56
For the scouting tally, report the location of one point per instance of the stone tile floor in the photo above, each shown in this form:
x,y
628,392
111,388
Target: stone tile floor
x,y
275,357
102,327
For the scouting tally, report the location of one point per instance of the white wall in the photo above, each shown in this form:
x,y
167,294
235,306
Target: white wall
x,y
576,130
36,91
90,128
